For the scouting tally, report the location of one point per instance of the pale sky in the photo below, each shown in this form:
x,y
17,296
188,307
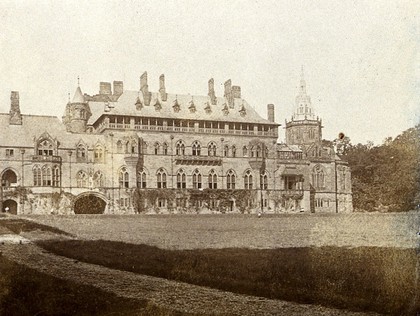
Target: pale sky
x,y
360,57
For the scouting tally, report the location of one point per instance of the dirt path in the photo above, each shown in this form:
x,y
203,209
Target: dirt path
x,y
177,296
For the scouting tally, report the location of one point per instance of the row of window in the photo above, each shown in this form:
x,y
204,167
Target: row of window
x,y
46,176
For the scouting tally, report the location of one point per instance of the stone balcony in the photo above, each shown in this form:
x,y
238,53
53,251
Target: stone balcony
x,y
198,160
39,158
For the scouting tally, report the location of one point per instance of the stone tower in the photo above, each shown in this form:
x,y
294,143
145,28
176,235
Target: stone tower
x,y
77,113
304,128
15,116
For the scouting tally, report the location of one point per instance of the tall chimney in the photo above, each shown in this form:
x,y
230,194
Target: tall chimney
x,y
118,88
144,88
228,93
162,89
15,116
105,88
212,94
236,92
270,112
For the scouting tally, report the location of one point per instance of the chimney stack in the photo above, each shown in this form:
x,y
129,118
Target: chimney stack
x,y
162,89
105,88
270,112
236,91
212,94
118,88
15,116
228,93
144,88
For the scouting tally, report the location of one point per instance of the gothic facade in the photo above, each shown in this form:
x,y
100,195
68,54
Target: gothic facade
x,y
140,151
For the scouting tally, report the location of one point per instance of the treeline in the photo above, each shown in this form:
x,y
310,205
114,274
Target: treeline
x,y
386,177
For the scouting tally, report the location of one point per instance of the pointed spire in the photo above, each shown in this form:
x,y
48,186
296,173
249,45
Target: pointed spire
x,y
78,96
302,83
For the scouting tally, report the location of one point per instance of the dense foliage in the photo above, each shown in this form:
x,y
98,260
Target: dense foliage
x,y
386,177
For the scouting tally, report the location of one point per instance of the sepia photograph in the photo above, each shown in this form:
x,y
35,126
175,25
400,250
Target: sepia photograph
x,y
181,157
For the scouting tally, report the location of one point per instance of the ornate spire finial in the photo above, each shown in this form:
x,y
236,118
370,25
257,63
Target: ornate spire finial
x,y
302,74
68,94
78,81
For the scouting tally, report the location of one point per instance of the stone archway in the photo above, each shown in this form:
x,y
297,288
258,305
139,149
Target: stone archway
x,y
89,204
10,206
8,178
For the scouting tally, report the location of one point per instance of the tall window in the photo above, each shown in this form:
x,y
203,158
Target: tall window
x,y
161,179
81,153
134,147
157,148
82,179
196,148
248,180
318,177
181,182
46,176
98,179
141,179
45,148
37,176
180,148
212,179
226,151
165,148
233,151
244,151
230,180
56,176
196,179
212,149
99,154
123,178
264,180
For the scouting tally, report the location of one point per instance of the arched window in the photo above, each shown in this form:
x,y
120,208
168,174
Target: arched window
x,y
211,149
233,151
197,179
56,176
196,148
226,151
46,176
318,177
45,148
81,152
134,147
248,180
181,182
157,145
161,178
98,179
99,154
212,179
123,178
37,176
165,148
253,151
180,148
82,179
230,180
141,179
119,147
245,151
8,178
264,180
258,151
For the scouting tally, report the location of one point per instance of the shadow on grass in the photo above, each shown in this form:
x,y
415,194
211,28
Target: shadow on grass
x,y
361,279
21,225
27,292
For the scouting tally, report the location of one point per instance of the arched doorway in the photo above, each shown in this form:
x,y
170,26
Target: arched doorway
x,y
10,206
8,178
89,204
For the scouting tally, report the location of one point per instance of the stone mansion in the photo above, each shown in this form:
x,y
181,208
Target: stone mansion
x,y
127,152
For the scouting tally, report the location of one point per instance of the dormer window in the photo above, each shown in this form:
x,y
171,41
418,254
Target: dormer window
x,y
138,104
191,107
45,148
225,109
158,106
242,111
176,106
207,108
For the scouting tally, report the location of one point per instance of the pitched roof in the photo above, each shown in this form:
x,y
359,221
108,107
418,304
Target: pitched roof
x,y
190,108
33,126
78,96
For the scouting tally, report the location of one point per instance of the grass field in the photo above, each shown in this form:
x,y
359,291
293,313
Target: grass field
x,y
245,231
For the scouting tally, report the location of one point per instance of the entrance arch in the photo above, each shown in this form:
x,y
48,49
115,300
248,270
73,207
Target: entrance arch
x,y
10,206
8,178
89,204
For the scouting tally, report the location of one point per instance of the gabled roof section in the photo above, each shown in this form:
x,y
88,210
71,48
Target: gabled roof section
x,y
241,111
